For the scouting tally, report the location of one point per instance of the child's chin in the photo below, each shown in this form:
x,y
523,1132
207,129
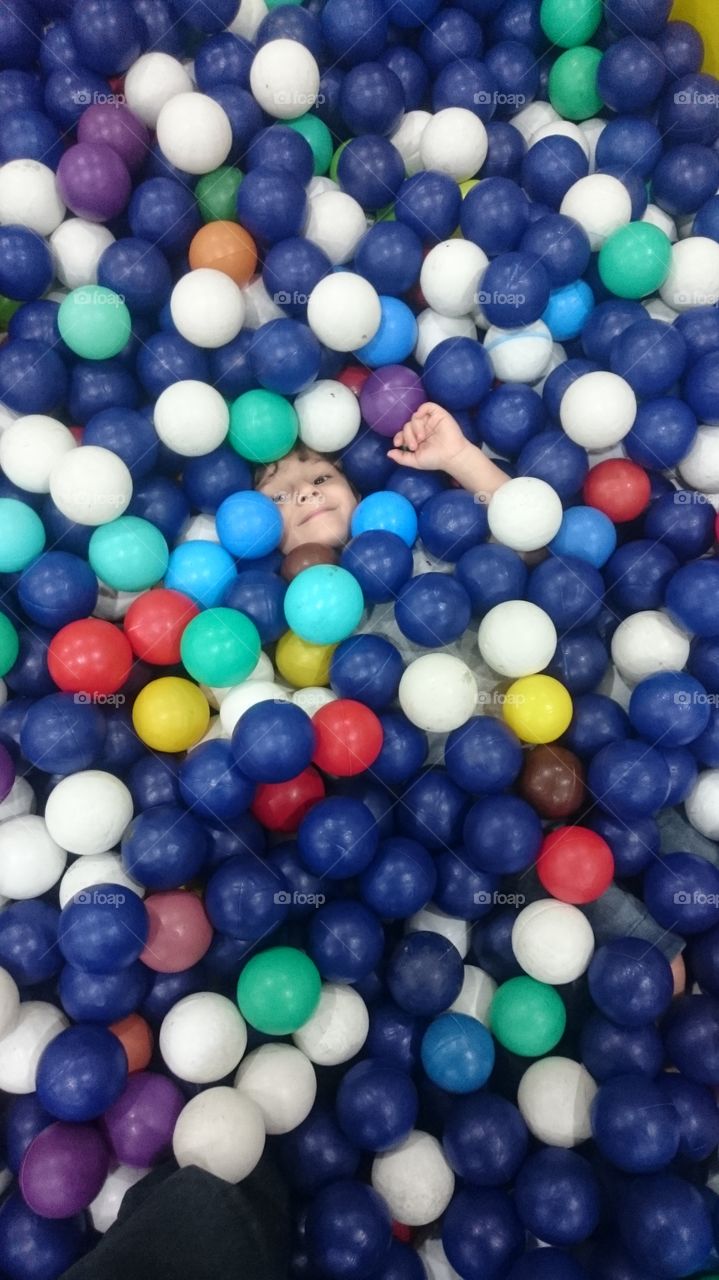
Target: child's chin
x,y
323,533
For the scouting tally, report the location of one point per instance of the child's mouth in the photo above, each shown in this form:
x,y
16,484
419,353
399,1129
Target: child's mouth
x,y
321,511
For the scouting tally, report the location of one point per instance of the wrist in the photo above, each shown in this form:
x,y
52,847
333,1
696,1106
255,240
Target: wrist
x,y
463,463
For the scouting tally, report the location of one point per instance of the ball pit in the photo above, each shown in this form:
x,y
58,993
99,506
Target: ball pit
x,y
387,857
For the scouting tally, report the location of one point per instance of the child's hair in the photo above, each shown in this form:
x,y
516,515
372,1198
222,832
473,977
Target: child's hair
x,y
302,452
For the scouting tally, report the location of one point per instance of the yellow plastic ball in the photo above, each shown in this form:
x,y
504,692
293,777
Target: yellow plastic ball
x,y
537,708
466,186
171,714
303,664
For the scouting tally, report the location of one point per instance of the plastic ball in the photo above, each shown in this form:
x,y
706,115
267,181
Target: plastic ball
x,y
63,1169
424,974
170,714
207,308
22,533
664,1223
524,514
323,604
91,485
554,1098
414,1179
517,638
575,864
81,1073
103,928
263,426
376,1105
221,1131
278,990
94,322
202,1038
537,708
457,1053
178,410
281,1082
538,948
619,488
631,778
179,932
337,1029
155,622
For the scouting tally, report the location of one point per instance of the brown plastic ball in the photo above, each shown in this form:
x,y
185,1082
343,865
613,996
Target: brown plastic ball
x,y
552,780
304,557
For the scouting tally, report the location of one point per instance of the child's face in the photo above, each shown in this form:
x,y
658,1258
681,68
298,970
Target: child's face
x,y
315,501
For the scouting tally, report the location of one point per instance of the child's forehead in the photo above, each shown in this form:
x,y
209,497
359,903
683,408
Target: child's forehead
x,y
295,465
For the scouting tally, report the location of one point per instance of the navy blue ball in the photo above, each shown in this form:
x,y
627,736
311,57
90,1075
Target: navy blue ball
x,y
432,810
139,272
376,1105
663,432
230,366
338,837
223,59
547,1264
400,879
681,892
608,1050
682,521
57,588
411,71
389,255
492,944
429,204
682,762
244,115
450,34
417,486
163,847
514,290
630,143
153,780
651,356
24,1120
211,784
557,1196
704,662
28,941
20,89
165,213
167,988
550,167
424,974
495,215
271,204
316,1152
506,149
690,597
306,891
102,997
61,734
33,378
630,981
466,83
279,147
580,660
371,170
631,75
633,846
491,575
701,388
552,456
394,1035
290,272
432,610
381,562
260,595
128,434
273,741
457,372
285,356
291,22
698,1118
246,898
482,1233
635,1125
597,722
509,417
685,178
607,321
461,890
570,590
559,381
516,72
516,20
354,30
167,358
483,756
681,47
561,244
502,834
371,99
404,750
162,502
28,134
211,478
345,939
365,462
485,1139
367,669
452,522
631,778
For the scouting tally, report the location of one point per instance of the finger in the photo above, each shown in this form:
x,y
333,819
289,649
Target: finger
x,y
410,436
398,438
404,459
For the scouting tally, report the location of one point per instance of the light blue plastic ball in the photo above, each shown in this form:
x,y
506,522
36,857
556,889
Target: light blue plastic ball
x,y
396,337
202,570
568,309
249,525
22,536
323,604
389,511
457,1053
587,534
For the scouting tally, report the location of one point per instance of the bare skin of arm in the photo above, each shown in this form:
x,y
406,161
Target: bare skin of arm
x,y
433,441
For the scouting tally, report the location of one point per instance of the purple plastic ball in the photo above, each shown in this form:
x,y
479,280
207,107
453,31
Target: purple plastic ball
x,y
63,1170
94,181
389,397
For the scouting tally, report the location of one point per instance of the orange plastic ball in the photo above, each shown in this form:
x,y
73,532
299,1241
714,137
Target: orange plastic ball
x,y
226,247
136,1039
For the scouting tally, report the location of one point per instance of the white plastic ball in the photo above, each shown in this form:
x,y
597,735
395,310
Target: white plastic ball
x,y
454,142
450,276
199,528
194,133
552,941
220,1131
533,117
562,129
336,223
20,799
312,698
599,203
657,217
9,1003
151,82
207,307
693,279
555,1096
517,638
284,79
22,1047
106,1206
344,311
407,138
592,131
245,695
519,355
260,307
525,514
598,409
203,1037
281,1081
248,18
30,860
337,1029
96,868
438,692
318,184
435,1261
91,485
431,919
112,605
699,468
191,418
702,804
29,449
432,328
87,812
263,670
329,415
659,310
476,995
415,1179
29,196
647,642
76,248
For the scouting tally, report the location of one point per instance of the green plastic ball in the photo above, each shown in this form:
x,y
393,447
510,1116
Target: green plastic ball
x,y
94,322
634,261
129,554
315,132
527,1017
22,535
573,83
336,159
263,426
278,990
324,604
9,645
569,23
216,194
8,307
220,647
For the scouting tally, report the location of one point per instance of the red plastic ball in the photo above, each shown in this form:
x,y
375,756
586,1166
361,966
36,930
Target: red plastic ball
x,y
349,737
89,656
716,528
154,624
179,931
354,377
619,488
575,864
281,806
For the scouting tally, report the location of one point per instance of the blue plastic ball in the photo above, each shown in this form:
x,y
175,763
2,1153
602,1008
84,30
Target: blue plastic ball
x,y
346,1214
457,1053
684,522
630,981
587,534
211,784
432,610
495,215
337,838
429,204
371,99
368,669
163,847
400,879
557,1196
491,574
553,457
462,891
483,756
502,834
485,1139
316,1152
681,891
201,570
28,941
273,741
106,933
669,708
345,940
457,373
389,255
551,166
33,377
164,212
631,778
569,589
633,846
404,750
631,143
424,974
376,1105
371,170
102,997
246,898
81,1072
61,734
482,1233
285,356
386,512
608,1050
32,1247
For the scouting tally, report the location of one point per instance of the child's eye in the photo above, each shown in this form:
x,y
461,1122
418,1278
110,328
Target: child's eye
x,y
280,497
321,479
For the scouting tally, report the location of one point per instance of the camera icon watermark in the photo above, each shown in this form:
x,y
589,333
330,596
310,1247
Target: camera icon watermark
x,y
84,699
99,898
489,898
290,298
291,98
487,98
496,698
686,498
495,297
286,898
109,299
684,699
84,98
693,98
683,898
